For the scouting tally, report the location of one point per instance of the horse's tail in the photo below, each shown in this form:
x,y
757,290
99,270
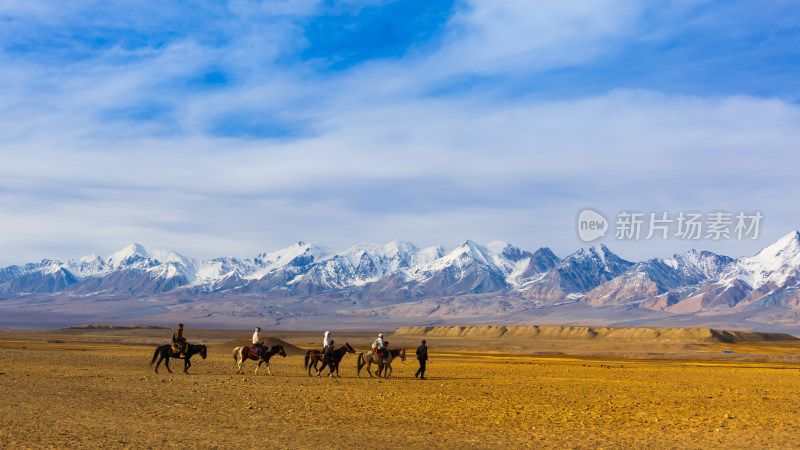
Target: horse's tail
x,y
360,363
308,356
235,351
155,356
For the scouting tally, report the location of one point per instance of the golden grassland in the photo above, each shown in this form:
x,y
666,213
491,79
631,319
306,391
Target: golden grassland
x,y
81,393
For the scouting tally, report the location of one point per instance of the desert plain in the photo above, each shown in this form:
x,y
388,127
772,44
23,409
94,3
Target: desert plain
x,y
86,387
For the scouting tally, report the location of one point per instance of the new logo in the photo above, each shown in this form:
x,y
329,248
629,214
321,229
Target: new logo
x,y
591,225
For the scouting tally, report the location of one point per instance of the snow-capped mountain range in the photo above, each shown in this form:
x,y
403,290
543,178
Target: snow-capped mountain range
x,y
399,282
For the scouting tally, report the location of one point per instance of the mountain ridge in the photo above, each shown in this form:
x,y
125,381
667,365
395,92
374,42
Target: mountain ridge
x,y
306,280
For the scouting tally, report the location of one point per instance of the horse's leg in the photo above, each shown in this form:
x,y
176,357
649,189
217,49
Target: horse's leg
x,y
369,367
379,369
186,364
321,367
269,371
258,365
166,364
161,357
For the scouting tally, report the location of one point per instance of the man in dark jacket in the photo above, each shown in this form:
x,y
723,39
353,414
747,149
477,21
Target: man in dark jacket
x,y
327,359
422,357
177,338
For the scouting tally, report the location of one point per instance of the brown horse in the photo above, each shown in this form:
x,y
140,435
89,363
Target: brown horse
x,y
242,354
315,356
384,365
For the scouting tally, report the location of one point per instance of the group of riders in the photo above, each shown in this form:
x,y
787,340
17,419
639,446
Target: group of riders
x,y
380,347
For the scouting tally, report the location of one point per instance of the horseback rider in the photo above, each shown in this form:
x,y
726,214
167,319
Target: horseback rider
x,y
380,347
327,358
177,338
258,342
326,340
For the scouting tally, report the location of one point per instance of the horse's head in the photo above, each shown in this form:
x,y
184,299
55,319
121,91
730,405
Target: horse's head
x,y
280,350
349,348
203,351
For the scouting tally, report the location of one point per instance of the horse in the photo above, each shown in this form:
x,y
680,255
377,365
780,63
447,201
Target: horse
x,y
166,352
315,356
369,357
242,354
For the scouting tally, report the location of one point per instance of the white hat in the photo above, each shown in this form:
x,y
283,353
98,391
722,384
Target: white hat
x,y
380,334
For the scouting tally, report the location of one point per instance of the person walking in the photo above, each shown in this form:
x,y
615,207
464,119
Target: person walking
x,y
422,357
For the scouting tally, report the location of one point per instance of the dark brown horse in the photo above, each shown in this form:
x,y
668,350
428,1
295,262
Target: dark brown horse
x,y
315,356
384,365
166,352
242,354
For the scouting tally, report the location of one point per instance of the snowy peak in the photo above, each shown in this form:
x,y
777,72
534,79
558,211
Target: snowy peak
x,y
783,252
700,264
777,263
398,252
398,247
138,257
578,274
127,255
299,254
428,255
470,250
598,256
465,255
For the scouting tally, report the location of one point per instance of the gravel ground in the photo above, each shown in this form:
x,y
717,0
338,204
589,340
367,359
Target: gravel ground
x,y
106,395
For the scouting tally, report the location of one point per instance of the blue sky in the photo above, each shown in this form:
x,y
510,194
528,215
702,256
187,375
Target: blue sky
x,y
231,128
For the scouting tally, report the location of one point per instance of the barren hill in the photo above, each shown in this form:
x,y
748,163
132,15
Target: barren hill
x,y
553,332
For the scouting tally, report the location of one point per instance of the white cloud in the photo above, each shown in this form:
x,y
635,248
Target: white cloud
x,y
498,36
433,169
379,158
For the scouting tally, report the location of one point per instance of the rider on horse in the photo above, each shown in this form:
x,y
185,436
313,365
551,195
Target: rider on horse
x,y
257,341
380,347
177,338
327,358
327,352
326,340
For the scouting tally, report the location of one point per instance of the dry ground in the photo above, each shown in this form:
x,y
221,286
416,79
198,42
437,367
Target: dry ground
x,y
80,392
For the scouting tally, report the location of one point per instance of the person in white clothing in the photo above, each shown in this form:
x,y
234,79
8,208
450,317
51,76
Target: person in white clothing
x,y
379,346
257,341
326,340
